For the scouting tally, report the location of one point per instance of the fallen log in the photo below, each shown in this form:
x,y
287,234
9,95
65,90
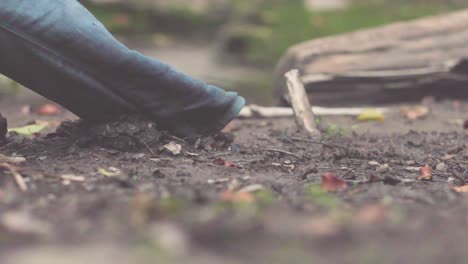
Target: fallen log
x,y
402,62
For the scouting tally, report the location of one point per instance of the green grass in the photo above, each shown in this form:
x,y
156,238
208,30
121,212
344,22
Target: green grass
x,y
289,23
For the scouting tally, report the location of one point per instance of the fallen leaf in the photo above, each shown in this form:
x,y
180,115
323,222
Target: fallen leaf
x,y
371,115
14,160
461,189
173,148
371,214
28,130
225,163
331,183
237,197
426,174
48,110
23,224
111,172
414,112
322,226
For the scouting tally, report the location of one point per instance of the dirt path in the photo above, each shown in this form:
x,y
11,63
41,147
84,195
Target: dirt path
x,y
177,208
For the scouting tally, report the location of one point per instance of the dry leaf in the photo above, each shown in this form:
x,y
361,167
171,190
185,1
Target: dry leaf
x,y
461,189
414,112
225,163
28,130
237,197
331,183
372,214
23,224
49,110
426,174
371,115
322,226
173,148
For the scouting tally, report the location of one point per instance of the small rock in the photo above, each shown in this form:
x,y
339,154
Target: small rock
x,y
441,167
173,148
383,168
374,163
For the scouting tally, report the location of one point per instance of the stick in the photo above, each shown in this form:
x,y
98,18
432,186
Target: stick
x,y
270,112
300,104
16,175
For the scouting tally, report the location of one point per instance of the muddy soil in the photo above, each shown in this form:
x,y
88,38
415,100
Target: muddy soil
x,y
121,192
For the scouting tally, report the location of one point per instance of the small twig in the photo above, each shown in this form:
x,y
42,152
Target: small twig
x,y
16,175
284,152
147,147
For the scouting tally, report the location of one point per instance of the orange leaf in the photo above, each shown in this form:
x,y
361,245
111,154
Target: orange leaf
x,y
237,197
372,214
224,163
331,183
461,189
415,112
48,110
426,174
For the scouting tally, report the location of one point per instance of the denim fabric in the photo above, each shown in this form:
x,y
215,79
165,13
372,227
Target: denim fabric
x,y
59,49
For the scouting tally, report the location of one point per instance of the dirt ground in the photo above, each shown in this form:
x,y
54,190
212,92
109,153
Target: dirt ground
x,y
116,193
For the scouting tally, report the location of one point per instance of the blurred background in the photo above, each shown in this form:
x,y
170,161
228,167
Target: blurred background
x,y
237,43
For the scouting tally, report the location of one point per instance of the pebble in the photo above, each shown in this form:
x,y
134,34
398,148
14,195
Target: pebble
x,y
383,168
441,167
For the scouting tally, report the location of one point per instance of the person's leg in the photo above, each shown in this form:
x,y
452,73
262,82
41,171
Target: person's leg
x,y
60,50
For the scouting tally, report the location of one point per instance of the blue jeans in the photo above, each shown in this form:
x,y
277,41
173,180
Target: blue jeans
x,y
60,50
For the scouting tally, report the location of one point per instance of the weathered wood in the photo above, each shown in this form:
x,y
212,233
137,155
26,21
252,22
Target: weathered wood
x,y
399,62
256,111
305,119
